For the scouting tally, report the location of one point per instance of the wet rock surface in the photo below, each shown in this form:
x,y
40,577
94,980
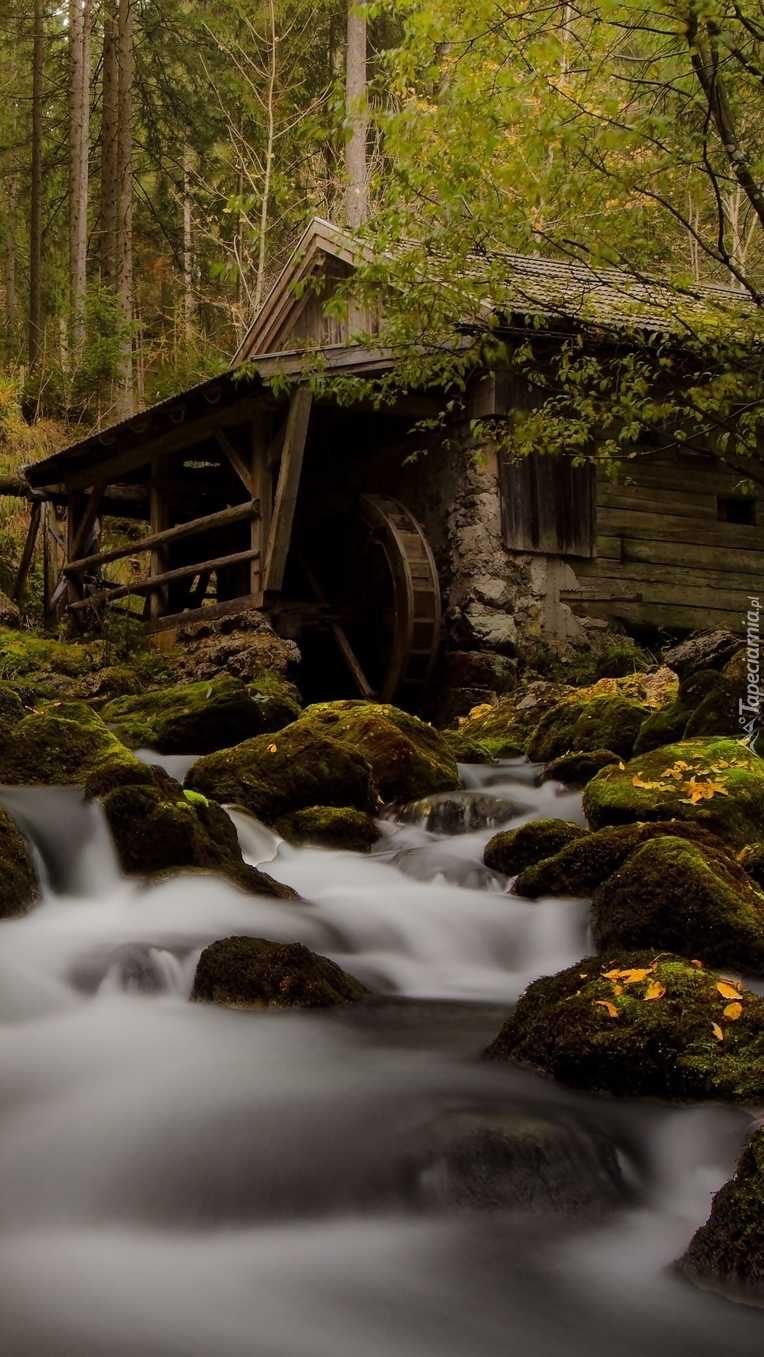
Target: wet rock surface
x,y
158,830
18,880
484,1161
459,812
575,770
641,1025
582,865
201,717
407,757
716,782
727,1253
69,744
710,650
514,849
244,972
583,724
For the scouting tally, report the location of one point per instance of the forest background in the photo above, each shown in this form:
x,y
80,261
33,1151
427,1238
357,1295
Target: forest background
x,y
160,158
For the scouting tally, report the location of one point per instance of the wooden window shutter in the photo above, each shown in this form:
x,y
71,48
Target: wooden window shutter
x,y
549,505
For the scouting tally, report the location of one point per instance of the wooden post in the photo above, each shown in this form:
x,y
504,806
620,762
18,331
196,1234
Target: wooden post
x,y
50,554
285,502
75,508
159,511
262,490
27,553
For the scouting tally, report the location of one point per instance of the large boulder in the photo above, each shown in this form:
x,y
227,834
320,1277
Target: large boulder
x,y
641,1024
408,758
243,972
243,645
68,743
340,827
718,783
727,1253
275,775
511,850
575,770
706,704
586,723
18,882
583,864
162,830
200,718
684,898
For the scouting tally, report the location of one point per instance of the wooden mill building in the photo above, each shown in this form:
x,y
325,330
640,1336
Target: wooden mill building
x,y
315,512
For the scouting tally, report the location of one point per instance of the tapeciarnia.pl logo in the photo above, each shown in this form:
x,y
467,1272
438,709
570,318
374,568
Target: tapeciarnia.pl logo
x,y
749,705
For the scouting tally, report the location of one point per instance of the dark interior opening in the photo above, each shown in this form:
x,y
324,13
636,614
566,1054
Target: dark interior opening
x,y
736,509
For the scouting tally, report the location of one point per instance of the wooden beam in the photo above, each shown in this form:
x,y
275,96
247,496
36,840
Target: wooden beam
x,y
285,502
262,482
346,650
75,507
235,458
207,614
159,520
28,552
154,582
88,519
173,440
221,519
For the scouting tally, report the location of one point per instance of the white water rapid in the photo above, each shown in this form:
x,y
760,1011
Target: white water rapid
x,y
180,1180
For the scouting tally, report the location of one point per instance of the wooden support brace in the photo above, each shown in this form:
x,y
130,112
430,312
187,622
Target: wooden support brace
x,y
235,458
236,514
87,520
285,502
28,552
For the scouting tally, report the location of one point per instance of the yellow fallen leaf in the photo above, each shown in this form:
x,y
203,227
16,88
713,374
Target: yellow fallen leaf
x,y
697,964
273,748
611,975
583,975
618,989
733,1011
611,1008
637,781
655,991
634,977
717,1031
622,767
728,991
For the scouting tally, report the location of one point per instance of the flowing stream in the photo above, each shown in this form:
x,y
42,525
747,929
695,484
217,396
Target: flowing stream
x,y
181,1180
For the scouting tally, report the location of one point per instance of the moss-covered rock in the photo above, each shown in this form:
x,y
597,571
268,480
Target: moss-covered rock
x,y
18,883
505,728
685,898
575,770
69,744
340,827
718,783
198,717
641,1024
580,867
252,973
512,850
275,775
465,749
706,704
586,724
708,650
751,859
11,710
727,1253
159,830
408,758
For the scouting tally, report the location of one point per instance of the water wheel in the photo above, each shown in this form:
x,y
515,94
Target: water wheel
x,y
363,581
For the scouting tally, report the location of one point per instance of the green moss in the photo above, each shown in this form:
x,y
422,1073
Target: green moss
x,y
195,717
68,743
575,770
504,729
196,798
340,827
727,1253
602,722
721,786
156,831
18,883
661,728
408,758
465,749
685,898
11,710
251,973
751,859
275,775
603,1035
512,850
706,704
583,865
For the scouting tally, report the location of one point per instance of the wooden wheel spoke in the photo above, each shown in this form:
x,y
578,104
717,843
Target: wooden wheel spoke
x,y
340,636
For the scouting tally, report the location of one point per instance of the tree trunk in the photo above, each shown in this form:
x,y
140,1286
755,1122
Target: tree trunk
x,y
35,226
79,137
188,257
356,192
109,143
10,252
125,203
